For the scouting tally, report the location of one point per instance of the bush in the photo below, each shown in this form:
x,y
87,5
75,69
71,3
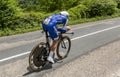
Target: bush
x,y
78,12
24,22
93,8
102,8
30,20
118,3
47,5
8,14
12,19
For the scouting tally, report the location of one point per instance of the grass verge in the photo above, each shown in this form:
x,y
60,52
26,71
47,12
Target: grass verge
x,y
8,32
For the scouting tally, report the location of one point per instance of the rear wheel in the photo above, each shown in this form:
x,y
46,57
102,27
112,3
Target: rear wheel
x,y
37,57
63,47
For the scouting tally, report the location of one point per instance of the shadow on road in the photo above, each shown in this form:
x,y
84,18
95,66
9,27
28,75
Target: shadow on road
x,y
46,67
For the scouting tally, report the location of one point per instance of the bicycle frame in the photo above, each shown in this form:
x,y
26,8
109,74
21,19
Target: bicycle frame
x,y
60,35
36,63
47,40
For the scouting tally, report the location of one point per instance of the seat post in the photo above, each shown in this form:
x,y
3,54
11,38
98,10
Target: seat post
x,y
46,33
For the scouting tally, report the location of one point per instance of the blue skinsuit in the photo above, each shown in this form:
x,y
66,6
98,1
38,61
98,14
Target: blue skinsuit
x,y
50,24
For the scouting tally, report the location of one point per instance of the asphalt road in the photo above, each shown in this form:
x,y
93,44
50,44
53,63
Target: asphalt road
x,y
87,37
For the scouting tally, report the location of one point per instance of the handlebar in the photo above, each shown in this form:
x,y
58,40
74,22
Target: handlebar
x,y
66,33
61,32
69,33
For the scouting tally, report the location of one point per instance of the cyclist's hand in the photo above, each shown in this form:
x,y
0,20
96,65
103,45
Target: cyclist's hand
x,y
68,28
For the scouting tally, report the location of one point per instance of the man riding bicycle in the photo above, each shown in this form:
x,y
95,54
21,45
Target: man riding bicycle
x,y
50,24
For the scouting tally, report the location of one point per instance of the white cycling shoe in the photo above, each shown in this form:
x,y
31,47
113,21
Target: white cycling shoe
x,y
50,59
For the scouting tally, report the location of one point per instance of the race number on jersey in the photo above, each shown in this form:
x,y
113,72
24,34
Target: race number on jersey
x,y
47,20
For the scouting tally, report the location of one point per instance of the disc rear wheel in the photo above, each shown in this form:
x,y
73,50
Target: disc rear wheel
x,y
37,57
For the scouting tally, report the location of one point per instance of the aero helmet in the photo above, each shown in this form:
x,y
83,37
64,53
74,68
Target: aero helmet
x,y
65,13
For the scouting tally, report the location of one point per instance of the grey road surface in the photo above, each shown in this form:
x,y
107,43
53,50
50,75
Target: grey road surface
x,y
87,37
101,62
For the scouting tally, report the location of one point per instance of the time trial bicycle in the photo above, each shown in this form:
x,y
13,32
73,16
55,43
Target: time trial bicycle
x,y
39,54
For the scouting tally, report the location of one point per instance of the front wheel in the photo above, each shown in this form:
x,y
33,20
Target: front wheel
x,y
37,57
63,47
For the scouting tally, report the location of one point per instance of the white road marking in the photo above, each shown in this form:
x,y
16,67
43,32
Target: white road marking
x,y
15,56
96,32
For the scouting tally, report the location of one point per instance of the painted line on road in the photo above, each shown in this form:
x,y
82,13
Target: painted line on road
x,y
96,32
5,59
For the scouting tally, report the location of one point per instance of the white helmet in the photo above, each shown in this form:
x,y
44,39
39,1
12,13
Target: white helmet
x,y
65,13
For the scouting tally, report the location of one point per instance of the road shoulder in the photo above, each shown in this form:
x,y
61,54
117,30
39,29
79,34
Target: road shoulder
x,y
102,62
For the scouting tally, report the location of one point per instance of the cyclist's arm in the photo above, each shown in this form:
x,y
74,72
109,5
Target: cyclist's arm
x,y
65,23
65,26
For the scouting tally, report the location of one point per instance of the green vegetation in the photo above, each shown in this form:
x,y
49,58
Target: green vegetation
x,y
47,5
19,16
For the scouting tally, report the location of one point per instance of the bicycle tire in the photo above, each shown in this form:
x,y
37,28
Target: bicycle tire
x,y
58,52
35,57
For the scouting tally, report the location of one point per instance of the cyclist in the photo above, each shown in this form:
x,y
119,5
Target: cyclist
x,y
50,24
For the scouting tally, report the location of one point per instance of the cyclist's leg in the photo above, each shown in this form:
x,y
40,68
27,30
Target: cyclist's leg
x,y
54,35
51,28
